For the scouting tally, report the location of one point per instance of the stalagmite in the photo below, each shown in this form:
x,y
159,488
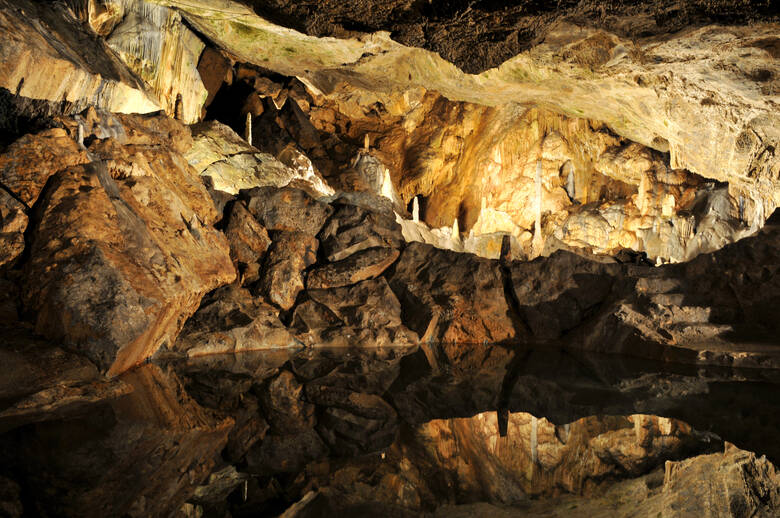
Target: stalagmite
x,y
415,210
537,241
249,128
742,209
455,230
80,135
387,185
366,143
570,182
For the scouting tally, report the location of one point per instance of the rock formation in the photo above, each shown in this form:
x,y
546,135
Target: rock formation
x,y
394,258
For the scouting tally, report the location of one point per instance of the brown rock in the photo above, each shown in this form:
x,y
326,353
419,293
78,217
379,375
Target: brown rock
x,y
13,223
368,315
250,427
287,209
248,242
285,407
557,294
230,320
28,163
353,422
123,253
282,276
452,297
357,267
286,453
733,483
354,227
98,474
213,68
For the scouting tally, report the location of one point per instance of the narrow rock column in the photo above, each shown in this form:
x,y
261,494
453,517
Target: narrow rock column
x,y
570,183
366,143
537,242
249,128
415,210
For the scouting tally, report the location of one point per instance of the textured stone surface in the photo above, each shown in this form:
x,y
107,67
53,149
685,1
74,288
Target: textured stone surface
x,y
230,320
282,277
27,164
156,422
119,286
51,56
366,314
288,209
452,297
359,266
160,49
13,223
248,242
233,164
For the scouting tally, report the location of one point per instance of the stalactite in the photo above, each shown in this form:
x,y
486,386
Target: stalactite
x,y
366,143
415,210
249,128
570,183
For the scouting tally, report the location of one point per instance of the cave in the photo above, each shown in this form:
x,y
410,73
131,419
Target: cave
x,y
401,258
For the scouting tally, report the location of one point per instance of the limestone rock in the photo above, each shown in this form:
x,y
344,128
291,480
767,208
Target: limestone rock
x,y
352,422
248,242
432,285
45,59
286,209
230,320
366,314
282,275
119,286
156,421
233,164
558,294
287,411
357,267
354,227
285,454
13,223
160,49
28,163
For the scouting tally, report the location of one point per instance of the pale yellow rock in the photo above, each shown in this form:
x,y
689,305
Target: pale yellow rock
x,y
37,61
156,45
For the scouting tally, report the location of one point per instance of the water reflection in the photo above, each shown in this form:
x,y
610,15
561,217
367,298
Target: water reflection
x,y
271,426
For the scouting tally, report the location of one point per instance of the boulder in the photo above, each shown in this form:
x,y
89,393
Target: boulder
x,y
233,164
286,453
287,411
230,320
120,285
248,242
362,265
13,223
353,423
286,209
28,163
355,226
282,276
452,297
366,314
